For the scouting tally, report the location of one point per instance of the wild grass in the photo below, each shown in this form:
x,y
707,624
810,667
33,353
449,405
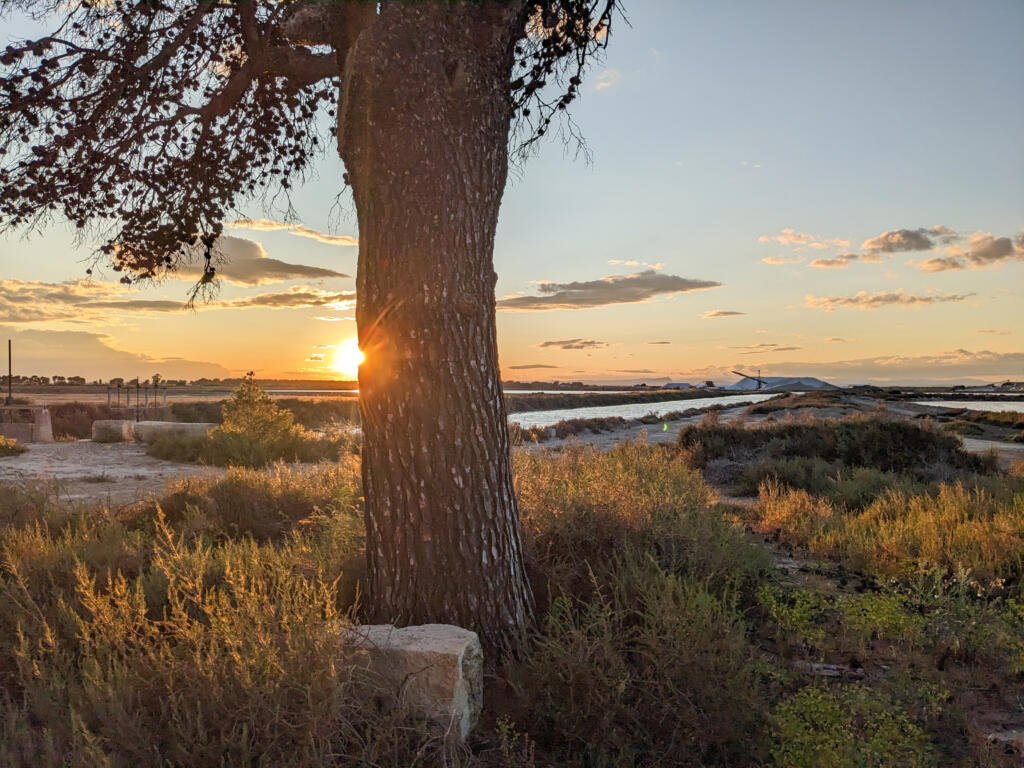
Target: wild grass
x,y
203,628
583,508
957,530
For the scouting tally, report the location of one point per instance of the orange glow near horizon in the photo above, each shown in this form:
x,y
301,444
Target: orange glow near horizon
x,y
348,358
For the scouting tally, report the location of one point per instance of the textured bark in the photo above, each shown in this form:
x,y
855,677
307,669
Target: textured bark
x,y
423,131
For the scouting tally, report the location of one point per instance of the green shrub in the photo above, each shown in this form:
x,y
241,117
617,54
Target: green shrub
x,y
169,668
10,447
889,445
653,670
799,613
849,727
197,411
266,504
582,507
255,432
881,615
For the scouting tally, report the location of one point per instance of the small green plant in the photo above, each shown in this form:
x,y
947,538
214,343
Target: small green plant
x,y
799,612
10,447
881,615
850,727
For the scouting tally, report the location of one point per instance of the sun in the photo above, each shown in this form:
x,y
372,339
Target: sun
x,y
348,358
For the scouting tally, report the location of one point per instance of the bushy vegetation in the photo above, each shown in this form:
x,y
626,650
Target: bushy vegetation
x,y
10,447
957,530
851,462
204,627
254,431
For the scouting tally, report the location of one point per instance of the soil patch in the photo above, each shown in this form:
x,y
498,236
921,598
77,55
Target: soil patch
x,y
85,471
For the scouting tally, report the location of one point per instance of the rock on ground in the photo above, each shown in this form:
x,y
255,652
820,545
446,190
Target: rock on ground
x,y
437,670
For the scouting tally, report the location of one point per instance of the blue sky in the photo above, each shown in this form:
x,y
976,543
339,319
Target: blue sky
x,y
722,134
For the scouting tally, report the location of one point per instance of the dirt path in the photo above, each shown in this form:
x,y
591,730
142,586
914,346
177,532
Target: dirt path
x,y
100,472
1007,452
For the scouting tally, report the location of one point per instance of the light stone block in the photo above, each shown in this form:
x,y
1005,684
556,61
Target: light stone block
x,y
437,670
148,431
113,431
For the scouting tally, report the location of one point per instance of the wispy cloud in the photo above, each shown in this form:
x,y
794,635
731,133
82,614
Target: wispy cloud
x,y
298,296
613,289
81,353
607,79
764,348
245,262
656,266
790,236
837,340
529,366
88,300
24,301
865,300
838,262
994,331
944,366
659,342
712,314
299,230
573,344
778,261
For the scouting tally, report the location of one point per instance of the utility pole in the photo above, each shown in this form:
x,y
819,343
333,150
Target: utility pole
x,y
10,376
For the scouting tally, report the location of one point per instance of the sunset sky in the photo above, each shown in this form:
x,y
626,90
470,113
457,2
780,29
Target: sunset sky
x,y
827,189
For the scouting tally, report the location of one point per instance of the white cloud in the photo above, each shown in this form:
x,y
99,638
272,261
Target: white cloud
x,y
607,79
299,230
791,237
778,261
713,314
242,261
613,289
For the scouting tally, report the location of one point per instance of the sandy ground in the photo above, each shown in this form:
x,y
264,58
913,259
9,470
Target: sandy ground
x,y
114,473
1007,452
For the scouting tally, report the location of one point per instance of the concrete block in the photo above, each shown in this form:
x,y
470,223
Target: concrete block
x,y
148,431
113,431
437,670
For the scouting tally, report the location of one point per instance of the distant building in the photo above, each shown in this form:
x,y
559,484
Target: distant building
x,y
779,384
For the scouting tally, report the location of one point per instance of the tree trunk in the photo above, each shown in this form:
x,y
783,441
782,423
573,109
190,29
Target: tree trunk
x,y
423,131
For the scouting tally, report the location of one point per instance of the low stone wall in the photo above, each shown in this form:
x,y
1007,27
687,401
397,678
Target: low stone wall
x,y
148,431
436,670
113,431
126,430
